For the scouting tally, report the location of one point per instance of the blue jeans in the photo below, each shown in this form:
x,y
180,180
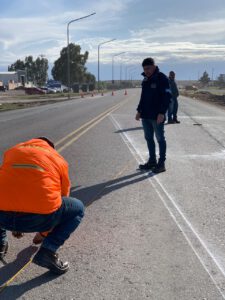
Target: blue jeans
x,y
150,128
172,110
175,108
62,222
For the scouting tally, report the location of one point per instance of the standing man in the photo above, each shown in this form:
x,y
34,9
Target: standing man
x,y
34,197
154,103
173,108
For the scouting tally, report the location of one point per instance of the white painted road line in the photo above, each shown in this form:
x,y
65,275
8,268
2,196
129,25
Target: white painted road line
x,y
199,247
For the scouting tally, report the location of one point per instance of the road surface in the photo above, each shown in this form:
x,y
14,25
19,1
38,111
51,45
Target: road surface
x,y
143,236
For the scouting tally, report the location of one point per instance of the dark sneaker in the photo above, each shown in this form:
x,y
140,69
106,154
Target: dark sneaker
x,y
176,121
171,122
3,249
160,167
148,166
48,259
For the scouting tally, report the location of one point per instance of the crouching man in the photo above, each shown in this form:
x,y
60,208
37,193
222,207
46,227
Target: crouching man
x,y
34,197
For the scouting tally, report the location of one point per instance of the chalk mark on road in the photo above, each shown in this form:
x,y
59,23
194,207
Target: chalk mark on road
x,y
204,255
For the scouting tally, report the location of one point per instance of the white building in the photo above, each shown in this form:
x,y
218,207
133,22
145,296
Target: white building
x,y
14,78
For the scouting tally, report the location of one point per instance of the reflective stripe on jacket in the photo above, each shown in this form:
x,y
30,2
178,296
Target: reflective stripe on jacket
x,y
33,178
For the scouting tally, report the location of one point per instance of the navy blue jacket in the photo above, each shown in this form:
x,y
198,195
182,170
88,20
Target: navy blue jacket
x,y
155,96
174,89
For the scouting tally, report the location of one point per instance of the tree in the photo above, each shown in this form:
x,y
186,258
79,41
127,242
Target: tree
x,y
205,79
89,78
30,68
78,71
221,81
36,70
41,70
18,65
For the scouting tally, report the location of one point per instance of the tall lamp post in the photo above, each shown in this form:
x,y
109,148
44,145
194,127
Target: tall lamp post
x,y
68,50
99,60
113,64
128,69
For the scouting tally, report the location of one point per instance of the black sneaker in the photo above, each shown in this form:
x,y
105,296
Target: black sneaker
x,y
3,249
171,122
160,167
148,166
48,259
176,121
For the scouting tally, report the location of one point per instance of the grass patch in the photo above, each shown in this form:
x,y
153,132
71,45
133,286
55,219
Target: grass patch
x,y
45,96
13,106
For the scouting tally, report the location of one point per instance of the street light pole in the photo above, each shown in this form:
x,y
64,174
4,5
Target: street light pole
x,y
113,64
99,60
121,71
68,50
128,69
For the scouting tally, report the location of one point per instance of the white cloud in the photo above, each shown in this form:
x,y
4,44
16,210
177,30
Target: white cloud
x,y
35,35
205,31
175,40
137,49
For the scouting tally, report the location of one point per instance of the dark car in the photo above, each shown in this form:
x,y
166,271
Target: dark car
x,y
2,88
34,91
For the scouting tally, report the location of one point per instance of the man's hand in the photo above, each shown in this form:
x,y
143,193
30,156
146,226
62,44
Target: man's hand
x,y
160,118
138,116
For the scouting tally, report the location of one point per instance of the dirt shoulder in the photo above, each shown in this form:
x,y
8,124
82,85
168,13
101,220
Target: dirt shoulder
x,y
209,97
10,101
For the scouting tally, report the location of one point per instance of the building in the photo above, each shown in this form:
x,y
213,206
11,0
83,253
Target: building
x,y
13,79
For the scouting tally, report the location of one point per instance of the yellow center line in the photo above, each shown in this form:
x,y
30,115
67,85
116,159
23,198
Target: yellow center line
x,y
92,123
86,124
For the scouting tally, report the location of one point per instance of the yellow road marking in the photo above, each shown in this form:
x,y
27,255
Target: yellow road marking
x,y
93,123
2,287
85,125
88,128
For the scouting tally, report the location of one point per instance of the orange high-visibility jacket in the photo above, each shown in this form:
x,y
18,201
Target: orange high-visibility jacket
x,y
33,178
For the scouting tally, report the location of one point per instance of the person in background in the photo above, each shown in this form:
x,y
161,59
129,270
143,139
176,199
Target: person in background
x,y
34,197
173,107
153,105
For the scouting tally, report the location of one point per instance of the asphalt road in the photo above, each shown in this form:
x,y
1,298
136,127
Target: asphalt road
x,y
143,236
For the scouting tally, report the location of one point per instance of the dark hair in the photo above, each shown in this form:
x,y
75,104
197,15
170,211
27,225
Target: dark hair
x,y
148,62
172,73
47,140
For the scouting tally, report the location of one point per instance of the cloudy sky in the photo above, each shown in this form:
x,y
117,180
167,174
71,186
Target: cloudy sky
x,y
186,36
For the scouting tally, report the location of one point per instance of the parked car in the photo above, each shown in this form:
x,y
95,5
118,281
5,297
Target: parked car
x,y
34,91
48,90
57,87
2,88
20,88
64,89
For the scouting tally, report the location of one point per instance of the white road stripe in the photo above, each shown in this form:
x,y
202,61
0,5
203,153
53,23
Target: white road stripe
x,y
205,256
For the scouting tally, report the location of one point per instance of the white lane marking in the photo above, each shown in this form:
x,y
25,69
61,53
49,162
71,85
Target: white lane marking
x,y
214,118
215,156
205,256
